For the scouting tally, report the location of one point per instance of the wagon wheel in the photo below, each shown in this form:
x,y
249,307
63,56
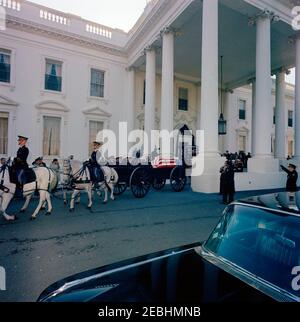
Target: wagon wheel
x,y
120,188
178,178
158,183
140,182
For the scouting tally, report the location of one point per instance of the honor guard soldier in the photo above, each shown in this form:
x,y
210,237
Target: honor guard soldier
x,y
292,177
20,162
96,173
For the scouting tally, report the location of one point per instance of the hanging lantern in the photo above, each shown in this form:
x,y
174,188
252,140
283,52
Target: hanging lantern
x,y
222,125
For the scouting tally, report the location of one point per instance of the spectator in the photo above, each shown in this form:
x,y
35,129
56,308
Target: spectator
x,y
55,167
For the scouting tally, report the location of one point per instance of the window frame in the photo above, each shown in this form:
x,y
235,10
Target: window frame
x,y
90,83
43,116
12,66
187,100
43,74
239,100
290,119
8,132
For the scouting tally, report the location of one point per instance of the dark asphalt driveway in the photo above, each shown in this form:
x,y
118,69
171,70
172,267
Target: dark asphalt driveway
x,y
36,254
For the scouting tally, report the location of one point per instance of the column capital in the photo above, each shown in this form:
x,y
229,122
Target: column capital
x,y
131,69
170,30
281,70
251,80
264,14
150,48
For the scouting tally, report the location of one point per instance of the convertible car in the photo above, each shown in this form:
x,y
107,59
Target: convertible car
x,y
252,255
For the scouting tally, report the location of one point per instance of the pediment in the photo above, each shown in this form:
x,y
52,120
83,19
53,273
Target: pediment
x,y
7,101
97,111
52,105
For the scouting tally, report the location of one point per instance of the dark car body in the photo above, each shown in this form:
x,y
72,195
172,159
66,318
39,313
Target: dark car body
x,y
248,257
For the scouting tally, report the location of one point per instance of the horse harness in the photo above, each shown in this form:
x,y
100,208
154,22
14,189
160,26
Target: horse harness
x,y
2,187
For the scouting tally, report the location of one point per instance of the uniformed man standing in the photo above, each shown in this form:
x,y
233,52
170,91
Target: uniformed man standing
x,y
20,162
292,177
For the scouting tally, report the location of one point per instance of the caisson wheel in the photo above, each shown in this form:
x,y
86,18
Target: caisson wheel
x,y
158,183
140,182
120,188
178,178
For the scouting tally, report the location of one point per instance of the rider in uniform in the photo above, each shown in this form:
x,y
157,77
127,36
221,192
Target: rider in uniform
x,y
20,162
96,172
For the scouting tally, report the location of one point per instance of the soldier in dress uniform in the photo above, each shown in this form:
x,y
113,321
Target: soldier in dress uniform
x,y
20,162
292,177
95,167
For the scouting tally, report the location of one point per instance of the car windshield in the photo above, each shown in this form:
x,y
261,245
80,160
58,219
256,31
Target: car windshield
x,y
265,243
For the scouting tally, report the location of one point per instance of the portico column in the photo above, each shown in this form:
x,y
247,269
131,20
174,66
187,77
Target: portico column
x,y
297,99
253,127
131,99
209,76
150,93
280,116
167,94
263,103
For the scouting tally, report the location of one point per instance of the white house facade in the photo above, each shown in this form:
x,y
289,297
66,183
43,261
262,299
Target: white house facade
x,y
63,79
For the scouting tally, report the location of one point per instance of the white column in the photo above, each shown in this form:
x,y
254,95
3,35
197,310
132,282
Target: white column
x,y
253,127
131,100
297,100
198,89
210,77
150,93
167,94
280,116
263,104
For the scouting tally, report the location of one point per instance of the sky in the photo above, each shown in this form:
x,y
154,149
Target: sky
x,y
121,14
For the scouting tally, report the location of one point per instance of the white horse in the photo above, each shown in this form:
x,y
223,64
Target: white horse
x,y
7,192
45,182
76,175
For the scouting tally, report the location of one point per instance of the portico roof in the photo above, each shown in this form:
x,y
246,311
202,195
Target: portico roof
x,y
237,39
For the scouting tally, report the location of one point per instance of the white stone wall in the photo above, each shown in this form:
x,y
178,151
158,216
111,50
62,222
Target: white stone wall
x,y
73,104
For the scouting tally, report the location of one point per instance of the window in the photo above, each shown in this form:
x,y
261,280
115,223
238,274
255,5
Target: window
x,y
183,99
51,136
290,118
242,143
94,128
53,75
242,110
5,67
3,132
97,83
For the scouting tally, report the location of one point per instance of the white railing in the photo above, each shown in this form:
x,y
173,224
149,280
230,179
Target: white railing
x,y
11,4
98,31
65,22
48,15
